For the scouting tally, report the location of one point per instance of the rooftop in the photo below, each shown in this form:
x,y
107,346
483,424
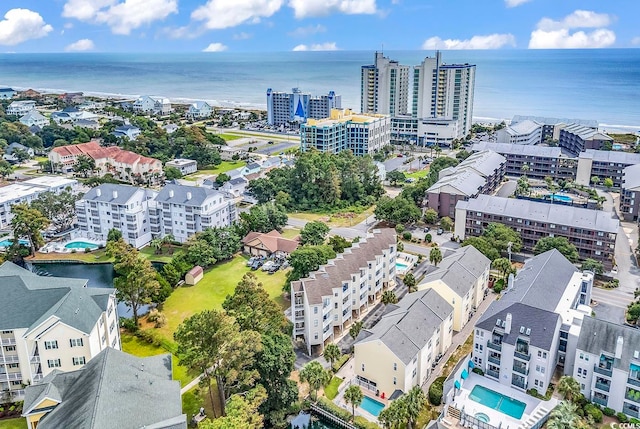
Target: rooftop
x,y
586,133
485,162
186,195
466,182
181,161
113,193
460,270
614,156
50,182
631,177
524,127
518,149
558,214
597,336
555,121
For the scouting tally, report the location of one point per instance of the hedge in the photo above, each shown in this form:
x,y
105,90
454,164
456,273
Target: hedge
x,y
340,362
329,406
594,412
435,391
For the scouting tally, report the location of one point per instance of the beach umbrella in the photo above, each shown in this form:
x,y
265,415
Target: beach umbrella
x,y
464,374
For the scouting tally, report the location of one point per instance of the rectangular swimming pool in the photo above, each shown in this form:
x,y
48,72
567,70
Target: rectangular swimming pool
x,y
371,406
504,404
401,267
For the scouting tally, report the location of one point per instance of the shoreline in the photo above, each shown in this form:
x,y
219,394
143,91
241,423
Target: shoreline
x,y
611,128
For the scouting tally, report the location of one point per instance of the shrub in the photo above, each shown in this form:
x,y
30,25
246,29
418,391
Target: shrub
x,y
406,235
478,371
399,228
74,251
428,238
340,362
634,420
160,321
594,412
608,411
622,417
329,406
128,324
87,250
498,287
435,391
362,423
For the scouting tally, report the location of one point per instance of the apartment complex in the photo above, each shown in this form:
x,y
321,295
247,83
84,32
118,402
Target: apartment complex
x,y
444,91
592,232
630,193
363,134
607,365
49,324
111,206
326,302
27,191
152,104
480,173
114,390
123,164
461,279
604,164
536,162
295,107
549,125
398,352
576,138
384,87
535,325
527,132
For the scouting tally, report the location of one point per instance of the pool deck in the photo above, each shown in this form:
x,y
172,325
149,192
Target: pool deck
x,y
405,259
535,408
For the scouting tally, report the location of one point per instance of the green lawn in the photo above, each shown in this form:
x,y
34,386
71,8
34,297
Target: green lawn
x,y
149,252
419,174
18,423
211,291
99,256
229,137
223,167
331,390
290,233
335,220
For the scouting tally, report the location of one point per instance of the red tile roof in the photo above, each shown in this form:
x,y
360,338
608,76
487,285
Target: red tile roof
x,y
95,151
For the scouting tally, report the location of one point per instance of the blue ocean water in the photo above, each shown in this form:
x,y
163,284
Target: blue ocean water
x,y
600,84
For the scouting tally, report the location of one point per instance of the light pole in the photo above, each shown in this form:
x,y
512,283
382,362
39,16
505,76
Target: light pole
x,y
509,250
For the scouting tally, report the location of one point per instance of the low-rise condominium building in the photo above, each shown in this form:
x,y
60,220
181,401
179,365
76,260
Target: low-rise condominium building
x,y
630,193
527,132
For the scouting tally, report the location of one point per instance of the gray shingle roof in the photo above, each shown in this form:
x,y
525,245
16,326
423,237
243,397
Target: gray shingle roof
x,y
557,214
614,156
460,270
28,300
466,182
631,177
597,336
412,322
519,149
555,121
106,191
485,162
586,133
113,390
180,195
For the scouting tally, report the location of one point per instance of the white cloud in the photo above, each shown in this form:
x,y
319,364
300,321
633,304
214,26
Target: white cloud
x,y
186,32
491,41
635,41
552,34
308,30
80,46
242,36
218,14
123,16
327,46
20,25
307,8
515,3
215,47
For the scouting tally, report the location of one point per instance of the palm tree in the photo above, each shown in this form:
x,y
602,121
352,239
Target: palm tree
x,y
353,395
332,353
564,416
411,282
435,256
355,329
569,387
157,243
314,374
503,266
416,400
389,297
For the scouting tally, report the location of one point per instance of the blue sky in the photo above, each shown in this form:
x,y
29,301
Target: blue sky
x,y
284,25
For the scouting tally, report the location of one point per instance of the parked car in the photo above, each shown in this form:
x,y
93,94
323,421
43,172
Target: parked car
x,y
440,231
251,261
267,265
256,264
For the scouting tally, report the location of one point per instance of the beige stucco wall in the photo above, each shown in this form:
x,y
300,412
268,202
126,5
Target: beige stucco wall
x,y
378,363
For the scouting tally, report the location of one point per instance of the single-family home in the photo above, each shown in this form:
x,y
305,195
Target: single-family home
x,y
271,243
236,186
152,104
186,166
114,390
73,97
19,108
170,128
34,118
128,131
461,279
251,168
87,123
6,93
30,93
72,114
199,110
9,152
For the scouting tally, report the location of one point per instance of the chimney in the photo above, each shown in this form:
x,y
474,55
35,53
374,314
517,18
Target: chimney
x,y
115,194
507,324
170,193
98,192
619,345
188,196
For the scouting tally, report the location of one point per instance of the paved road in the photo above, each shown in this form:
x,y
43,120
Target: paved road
x,y
507,189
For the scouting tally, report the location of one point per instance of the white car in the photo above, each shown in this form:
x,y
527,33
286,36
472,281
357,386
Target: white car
x,y
267,265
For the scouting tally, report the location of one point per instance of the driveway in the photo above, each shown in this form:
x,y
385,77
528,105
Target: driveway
x,y
507,189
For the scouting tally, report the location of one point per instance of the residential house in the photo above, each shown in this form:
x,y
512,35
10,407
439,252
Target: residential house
x,y
128,131
114,390
251,168
30,93
34,118
607,365
49,324
7,93
630,193
9,151
236,186
73,97
19,108
112,206
170,128
87,123
184,210
461,279
326,302
271,243
186,166
534,327
593,232
199,110
152,104
71,115
399,351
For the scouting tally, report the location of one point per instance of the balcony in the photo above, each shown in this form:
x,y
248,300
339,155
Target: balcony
x,y
630,410
7,341
494,360
522,356
599,401
602,386
494,346
35,359
494,374
518,383
521,369
603,371
10,376
9,359
633,381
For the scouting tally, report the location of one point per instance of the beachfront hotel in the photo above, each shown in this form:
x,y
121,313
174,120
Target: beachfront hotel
x,y
295,107
49,324
325,303
363,134
384,87
592,232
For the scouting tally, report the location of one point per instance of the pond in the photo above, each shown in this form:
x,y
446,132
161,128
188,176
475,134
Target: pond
x,y
305,421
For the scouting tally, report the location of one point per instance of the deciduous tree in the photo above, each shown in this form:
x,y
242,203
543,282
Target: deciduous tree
x,y
431,216
561,244
28,222
338,243
58,208
241,412
314,233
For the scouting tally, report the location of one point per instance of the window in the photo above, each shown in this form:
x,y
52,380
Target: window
x,y
110,310
76,342
48,345
315,323
362,367
579,371
581,355
101,322
395,381
13,365
315,309
112,326
315,336
104,338
10,349
79,361
53,363
395,366
542,354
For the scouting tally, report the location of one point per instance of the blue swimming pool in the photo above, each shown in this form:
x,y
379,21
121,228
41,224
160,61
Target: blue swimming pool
x,y
7,242
482,417
80,245
504,404
372,406
401,267
563,198
616,146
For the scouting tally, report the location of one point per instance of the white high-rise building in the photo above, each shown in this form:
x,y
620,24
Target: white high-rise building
x,y
444,91
384,87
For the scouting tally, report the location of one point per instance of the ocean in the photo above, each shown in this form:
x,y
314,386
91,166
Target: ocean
x,y
600,84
